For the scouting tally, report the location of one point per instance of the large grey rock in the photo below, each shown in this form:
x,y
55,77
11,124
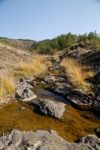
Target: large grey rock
x,y
45,140
24,92
50,107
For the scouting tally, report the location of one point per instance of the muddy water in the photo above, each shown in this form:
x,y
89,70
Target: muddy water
x,y
75,123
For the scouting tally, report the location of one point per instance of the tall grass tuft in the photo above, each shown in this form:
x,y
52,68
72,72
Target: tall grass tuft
x,y
76,74
7,85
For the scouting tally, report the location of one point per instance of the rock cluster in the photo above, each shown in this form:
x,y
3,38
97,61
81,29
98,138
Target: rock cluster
x,y
25,93
45,140
60,85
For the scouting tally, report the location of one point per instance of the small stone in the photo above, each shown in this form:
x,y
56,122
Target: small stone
x,y
22,108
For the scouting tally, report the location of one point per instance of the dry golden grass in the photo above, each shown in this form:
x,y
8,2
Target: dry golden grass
x,y
7,85
35,66
56,55
76,74
29,67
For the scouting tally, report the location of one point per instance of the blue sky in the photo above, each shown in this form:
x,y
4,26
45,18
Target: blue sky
x,y
42,19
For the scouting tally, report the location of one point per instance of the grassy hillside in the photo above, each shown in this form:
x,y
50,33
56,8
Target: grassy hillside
x,y
18,43
62,42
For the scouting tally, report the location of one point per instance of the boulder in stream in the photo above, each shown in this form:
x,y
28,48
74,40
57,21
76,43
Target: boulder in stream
x,y
50,107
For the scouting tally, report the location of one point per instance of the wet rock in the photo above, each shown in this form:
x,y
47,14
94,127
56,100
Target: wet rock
x,y
45,140
92,141
75,96
50,107
95,79
56,80
60,91
28,81
56,68
24,92
60,88
98,132
92,59
79,97
50,79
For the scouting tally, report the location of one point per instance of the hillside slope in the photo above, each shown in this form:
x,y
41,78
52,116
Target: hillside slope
x,y
10,54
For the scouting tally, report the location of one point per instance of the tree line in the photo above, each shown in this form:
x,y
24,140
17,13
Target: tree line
x,y
65,41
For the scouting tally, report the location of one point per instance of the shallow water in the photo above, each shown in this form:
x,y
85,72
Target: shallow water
x,y
43,93
74,124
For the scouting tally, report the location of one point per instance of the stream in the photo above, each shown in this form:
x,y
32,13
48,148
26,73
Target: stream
x,y
74,124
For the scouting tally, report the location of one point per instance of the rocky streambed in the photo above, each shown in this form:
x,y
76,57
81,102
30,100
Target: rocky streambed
x,y
75,122
48,106
72,126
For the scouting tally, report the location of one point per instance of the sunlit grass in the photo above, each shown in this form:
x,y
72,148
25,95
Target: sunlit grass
x,y
7,85
76,74
35,66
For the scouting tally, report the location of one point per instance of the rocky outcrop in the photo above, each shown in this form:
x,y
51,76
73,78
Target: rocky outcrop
x,y
50,107
95,81
83,54
45,140
91,58
60,85
24,92
46,106
50,79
